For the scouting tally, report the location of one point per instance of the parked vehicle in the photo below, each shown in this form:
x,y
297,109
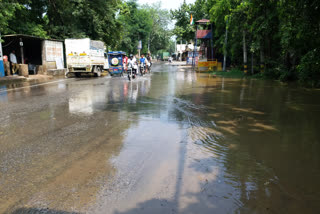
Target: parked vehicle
x,y
115,59
85,56
165,56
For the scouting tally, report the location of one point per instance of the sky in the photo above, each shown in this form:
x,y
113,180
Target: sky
x,y
167,4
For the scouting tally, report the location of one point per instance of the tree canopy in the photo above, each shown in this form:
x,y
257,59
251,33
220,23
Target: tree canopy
x,y
284,35
120,24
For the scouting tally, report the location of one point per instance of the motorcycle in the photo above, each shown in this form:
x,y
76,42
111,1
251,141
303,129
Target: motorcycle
x,y
132,70
149,67
142,69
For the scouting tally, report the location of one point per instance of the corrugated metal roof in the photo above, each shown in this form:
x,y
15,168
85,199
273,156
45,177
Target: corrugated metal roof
x,y
202,21
30,36
116,52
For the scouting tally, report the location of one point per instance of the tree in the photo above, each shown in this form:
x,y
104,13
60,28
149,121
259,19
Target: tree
x,y
159,35
183,30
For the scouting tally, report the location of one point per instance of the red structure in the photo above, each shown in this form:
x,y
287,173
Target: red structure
x,y
206,38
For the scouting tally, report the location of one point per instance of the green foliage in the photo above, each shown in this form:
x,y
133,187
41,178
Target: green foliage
x,y
183,29
284,35
147,23
7,12
309,68
120,24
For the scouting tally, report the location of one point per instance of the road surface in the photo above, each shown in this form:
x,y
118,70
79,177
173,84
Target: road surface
x,y
171,142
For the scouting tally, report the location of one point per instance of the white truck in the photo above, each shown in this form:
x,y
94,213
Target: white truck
x,y
85,56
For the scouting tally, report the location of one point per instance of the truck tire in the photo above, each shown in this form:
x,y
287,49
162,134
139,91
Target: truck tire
x,y
97,72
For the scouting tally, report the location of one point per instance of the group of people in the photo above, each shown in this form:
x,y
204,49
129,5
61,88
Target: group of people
x,y
132,63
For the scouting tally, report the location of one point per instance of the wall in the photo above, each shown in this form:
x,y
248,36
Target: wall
x,y
52,53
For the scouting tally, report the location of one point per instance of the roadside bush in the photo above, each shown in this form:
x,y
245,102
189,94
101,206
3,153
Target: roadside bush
x,y
309,69
232,73
272,70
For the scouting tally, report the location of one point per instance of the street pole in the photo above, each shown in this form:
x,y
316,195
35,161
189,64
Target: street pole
x,y
245,59
1,60
175,47
211,42
149,45
181,50
21,50
195,49
225,47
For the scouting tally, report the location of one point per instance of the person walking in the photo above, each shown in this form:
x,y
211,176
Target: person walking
x,y
125,62
14,63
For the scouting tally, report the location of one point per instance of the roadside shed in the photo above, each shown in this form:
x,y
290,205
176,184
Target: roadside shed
x,y
43,56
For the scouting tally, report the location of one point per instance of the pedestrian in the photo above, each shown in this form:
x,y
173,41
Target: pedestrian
x,y
125,62
14,63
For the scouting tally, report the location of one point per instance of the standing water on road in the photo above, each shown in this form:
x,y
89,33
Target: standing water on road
x,y
173,142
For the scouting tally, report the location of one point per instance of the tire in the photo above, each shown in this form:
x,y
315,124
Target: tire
x,y
129,74
77,74
97,72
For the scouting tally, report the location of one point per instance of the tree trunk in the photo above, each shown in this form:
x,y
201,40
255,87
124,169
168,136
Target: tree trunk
x,y
245,59
262,57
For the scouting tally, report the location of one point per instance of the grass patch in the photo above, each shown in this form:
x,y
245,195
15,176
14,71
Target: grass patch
x,y
233,73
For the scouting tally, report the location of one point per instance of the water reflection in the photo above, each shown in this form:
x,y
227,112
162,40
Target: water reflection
x,y
264,146
111,95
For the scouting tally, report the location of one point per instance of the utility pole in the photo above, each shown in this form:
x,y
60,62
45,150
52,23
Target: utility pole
x,y
21,50
149,44
195,48
211,42
175,46
1,60
225,46
181,50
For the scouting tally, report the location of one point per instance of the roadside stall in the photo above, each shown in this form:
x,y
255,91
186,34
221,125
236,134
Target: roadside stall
x,y
36,54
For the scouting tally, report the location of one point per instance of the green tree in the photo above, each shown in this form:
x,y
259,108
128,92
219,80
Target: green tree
x,y
183,30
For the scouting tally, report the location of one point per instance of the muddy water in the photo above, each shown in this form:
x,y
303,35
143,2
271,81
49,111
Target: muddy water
x,y
173,142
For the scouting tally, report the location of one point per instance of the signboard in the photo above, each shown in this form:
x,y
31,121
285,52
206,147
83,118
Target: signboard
x,y
59,63
140,45
207,65
53,50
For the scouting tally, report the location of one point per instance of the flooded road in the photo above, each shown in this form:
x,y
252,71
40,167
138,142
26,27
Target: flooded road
x,y
172,142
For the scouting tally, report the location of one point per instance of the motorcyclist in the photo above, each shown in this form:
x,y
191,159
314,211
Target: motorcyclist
x,y
144,62
132,62
149,58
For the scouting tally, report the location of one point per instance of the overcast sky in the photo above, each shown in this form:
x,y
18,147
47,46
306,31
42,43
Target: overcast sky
x,y
166,4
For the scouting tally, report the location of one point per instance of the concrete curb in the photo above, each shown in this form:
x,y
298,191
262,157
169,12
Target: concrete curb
x,y
16,79
12,79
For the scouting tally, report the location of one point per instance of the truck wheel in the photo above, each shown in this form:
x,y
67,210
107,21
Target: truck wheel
x,y
97,71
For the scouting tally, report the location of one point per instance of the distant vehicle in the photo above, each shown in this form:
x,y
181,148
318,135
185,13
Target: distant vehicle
x,y
165,56
85,56
115,59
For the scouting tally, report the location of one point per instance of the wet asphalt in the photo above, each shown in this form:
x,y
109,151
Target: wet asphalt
x,y
174,141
